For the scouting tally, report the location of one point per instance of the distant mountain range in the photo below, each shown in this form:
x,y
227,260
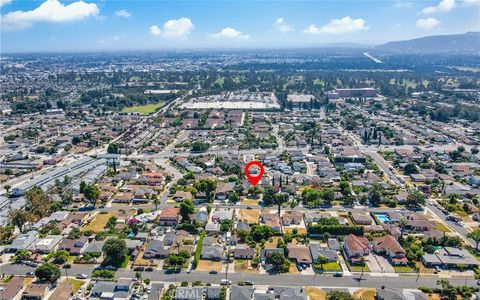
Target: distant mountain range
x,y
467,42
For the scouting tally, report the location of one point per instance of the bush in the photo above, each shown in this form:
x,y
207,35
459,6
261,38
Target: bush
x,y
106,274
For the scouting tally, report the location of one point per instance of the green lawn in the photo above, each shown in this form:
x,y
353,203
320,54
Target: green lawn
x,y
220,81
403,269
76,284
143,109
125,262
331,266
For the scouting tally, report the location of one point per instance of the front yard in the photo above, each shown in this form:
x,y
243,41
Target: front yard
x,y
403,269
244,265
209,265
329,267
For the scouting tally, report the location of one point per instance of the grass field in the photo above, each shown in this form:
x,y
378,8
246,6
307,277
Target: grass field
x,y
244,265
331,266
143,109
442,228
365,294
250,216
316,293
99,222
293,269
209,265
403,269
220,81
76,284
250,202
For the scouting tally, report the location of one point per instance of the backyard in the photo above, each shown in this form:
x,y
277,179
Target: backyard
x,y
250,216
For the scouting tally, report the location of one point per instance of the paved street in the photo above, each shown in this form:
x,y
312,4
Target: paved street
x,y
391,281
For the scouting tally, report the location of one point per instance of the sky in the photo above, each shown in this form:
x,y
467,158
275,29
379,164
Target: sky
x,y
110,25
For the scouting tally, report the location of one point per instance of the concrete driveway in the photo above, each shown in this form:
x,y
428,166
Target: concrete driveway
x,y
372,264
384,264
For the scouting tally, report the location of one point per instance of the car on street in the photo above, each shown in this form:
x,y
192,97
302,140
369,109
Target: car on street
x,y
213,272
30,274
338,274
225,282
82,276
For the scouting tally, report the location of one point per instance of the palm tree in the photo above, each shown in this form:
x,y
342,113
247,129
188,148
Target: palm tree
x,y
402,223
362,262
177,246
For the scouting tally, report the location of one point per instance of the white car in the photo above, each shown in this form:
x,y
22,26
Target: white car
x,y
82,276
225,282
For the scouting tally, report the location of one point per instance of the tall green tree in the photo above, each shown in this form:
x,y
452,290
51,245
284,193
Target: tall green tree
x,y
115,250
186,209
48,272
19,218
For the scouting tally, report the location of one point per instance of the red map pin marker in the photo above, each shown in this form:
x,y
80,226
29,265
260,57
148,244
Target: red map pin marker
x,y
254,179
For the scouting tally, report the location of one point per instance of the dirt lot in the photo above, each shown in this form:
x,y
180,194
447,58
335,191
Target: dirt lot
x,y
293,269
98,223
250,202
273,243
250,216
316,293
365,294
299,230
209,265
244,266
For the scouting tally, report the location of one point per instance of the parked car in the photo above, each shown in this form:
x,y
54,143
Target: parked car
x,y
338,274
225,282
248,282
139,269
30,274
82,276
213,272
149,269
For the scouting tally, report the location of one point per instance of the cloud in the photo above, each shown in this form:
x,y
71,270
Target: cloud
x,y
5,2
471,2
443,6
428,23
49,11
155,30
282,26
173,29
123,13
403,4
344,25
230,33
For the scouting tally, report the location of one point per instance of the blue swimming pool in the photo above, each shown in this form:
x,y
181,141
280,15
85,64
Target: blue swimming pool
x,y
384,218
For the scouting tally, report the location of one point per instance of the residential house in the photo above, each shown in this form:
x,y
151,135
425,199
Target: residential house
x,y
214,252
243,253
64,291
241,292
316,251
47,244
361,219
9,290
389,246
23,241
155,249
299,253
74,246
34,292
292,218
169,217
271,220
451,257
224,189
356,247
267,252
189,293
